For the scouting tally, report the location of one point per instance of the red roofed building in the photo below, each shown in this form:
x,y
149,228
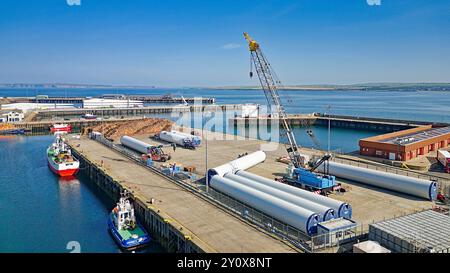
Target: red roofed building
x,y
407,144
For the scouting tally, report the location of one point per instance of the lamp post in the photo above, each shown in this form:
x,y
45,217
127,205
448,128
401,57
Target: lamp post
x,y
206,161
329,127
205,133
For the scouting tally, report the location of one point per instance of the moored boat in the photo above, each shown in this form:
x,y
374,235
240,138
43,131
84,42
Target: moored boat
x,y
89,116
19,131
124,227
60,159
61,128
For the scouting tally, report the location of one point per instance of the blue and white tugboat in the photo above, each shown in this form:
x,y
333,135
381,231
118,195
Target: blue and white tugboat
x,y
125,229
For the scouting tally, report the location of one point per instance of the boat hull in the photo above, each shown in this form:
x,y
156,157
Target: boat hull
x,y
63,169
66,129
63,173
13,132
128,244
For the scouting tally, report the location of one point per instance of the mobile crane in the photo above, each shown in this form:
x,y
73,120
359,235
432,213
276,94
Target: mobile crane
x,y
303,171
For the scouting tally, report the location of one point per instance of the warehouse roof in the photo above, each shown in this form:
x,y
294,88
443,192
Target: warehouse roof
x,y
428,229
417,136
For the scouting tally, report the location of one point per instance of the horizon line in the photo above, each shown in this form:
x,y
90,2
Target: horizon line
x,y
324,85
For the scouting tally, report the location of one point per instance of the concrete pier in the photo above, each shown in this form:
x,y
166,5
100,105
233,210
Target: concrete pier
x,y
178,218
220,228
145,99
43,127
350,122
137,111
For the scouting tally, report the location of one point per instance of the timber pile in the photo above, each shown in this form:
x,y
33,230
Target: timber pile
x,y
6,126
30,117
148,126
6,101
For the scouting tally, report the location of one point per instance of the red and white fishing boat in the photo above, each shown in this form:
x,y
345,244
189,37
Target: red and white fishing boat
x,y
60,158
61,128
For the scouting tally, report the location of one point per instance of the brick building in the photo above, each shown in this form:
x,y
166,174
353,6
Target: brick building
x,y
407,144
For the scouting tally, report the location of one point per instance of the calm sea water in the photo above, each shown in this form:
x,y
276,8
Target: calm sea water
x,y
410,105
42,213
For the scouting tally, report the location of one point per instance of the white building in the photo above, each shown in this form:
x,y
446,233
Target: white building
x,y
25,107
250,111
12,117
112,103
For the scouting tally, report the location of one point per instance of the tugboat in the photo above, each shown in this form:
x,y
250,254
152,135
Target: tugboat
x,y
60,159
61,128
125,229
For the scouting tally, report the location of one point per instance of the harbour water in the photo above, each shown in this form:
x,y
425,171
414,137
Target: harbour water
x,y
342,140
42,213
407,104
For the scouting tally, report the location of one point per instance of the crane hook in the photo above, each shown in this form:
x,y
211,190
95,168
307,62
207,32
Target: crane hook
x,y
251,67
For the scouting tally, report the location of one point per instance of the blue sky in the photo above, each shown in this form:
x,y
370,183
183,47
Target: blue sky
x,y
199,43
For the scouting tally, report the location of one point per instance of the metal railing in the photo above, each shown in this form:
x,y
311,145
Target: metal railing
x,y
337,239
264,221
411,243
443,183
332,241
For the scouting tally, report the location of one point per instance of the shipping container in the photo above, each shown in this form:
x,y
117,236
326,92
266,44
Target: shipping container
x,y
443,157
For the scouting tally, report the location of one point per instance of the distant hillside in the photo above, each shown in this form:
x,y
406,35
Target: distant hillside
x,y
68,86
324,87
368,87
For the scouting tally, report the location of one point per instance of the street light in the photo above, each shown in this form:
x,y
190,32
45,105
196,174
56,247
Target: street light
x,y
329,127
207,114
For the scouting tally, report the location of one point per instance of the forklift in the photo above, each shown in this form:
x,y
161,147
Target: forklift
x,y
157,153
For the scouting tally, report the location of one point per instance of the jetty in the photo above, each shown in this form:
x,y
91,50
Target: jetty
x,y
177,216
350,122
144,98
43,127
183,216
132,111
40,121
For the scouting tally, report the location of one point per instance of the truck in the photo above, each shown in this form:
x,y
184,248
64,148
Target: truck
x,y
443,157
179,138
156,153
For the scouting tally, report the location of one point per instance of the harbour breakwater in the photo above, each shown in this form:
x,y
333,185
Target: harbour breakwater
x,y
337,121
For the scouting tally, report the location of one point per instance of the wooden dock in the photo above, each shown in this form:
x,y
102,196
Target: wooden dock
x,y
179,218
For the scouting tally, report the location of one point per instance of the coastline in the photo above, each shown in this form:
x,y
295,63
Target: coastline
x,y
318,87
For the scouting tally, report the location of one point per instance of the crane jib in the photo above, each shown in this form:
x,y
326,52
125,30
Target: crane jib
x,y
268,84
